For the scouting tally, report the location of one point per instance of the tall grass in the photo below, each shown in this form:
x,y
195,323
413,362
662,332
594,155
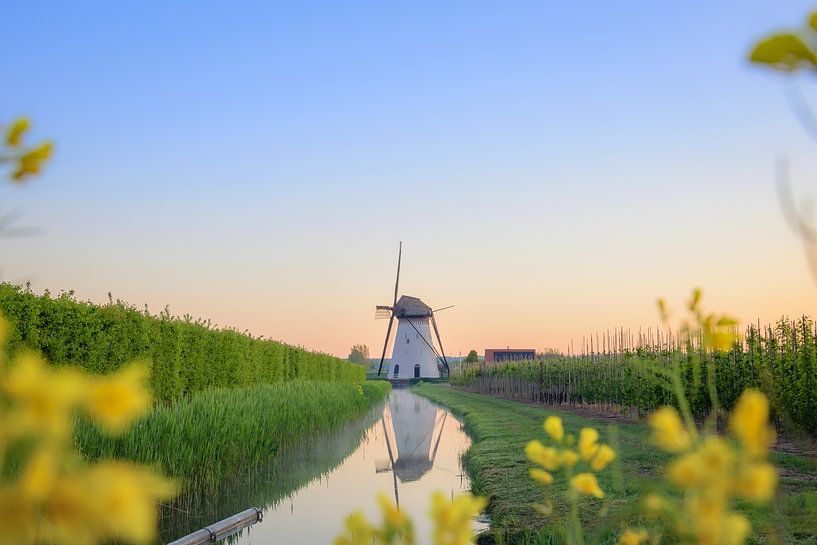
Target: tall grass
x,y
290,469
186,355
222,435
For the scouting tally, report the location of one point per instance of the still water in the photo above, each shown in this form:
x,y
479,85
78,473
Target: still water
x,y
406,448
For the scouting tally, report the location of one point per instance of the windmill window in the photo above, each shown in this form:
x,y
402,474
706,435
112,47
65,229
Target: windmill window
x,y
407,340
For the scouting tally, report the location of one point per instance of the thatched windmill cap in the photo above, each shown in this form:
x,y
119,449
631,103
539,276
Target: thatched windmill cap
x,y
411,307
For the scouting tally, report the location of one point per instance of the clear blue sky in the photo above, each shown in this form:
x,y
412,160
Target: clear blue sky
x,y
551,166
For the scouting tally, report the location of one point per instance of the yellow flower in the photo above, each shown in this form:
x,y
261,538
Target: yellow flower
x,y
587,443
716,458
391,513
736,529
396,523
540,475
569,458
69,516
686,471
42,398
453,519
749,422
654,505
554,428
358,531
668,430
586,483
116,400
757,482
124,498
633,537
603,456
17,518
39,475
16,130
547,457
32,161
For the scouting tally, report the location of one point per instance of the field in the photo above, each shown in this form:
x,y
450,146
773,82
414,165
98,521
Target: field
x,y
499,470
780,360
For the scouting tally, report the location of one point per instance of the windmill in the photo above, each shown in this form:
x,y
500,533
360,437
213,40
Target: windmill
x,y
413,354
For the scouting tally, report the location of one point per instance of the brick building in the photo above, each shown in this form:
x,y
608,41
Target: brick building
x,y
499,355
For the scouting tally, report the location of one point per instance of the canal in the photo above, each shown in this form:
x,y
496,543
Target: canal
x,y
405,448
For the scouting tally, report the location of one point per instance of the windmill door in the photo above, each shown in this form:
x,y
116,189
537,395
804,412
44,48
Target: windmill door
x,y
417,371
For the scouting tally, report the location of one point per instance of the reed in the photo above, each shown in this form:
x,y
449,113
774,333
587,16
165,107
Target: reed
x,y
222,435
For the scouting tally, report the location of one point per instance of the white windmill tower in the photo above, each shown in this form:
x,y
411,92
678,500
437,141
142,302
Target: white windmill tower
x,y
413,354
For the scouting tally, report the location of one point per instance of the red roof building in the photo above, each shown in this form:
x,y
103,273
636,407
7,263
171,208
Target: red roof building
x,y
498,355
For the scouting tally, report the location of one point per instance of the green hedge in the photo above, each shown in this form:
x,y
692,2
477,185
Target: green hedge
x,y
185,355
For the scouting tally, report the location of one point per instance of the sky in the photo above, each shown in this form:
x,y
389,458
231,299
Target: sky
x,y
551,167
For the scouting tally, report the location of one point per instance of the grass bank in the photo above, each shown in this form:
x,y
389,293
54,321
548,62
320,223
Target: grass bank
x,y
498,469
220,436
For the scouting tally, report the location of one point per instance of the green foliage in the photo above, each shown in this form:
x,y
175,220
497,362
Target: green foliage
x,y
185,356
781,361
472,357
498,468
359,354
217,436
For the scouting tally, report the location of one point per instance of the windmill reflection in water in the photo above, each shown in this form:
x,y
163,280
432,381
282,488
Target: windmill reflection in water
x,y
413,427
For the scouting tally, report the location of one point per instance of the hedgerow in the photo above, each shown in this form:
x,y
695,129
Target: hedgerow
x,y
184,355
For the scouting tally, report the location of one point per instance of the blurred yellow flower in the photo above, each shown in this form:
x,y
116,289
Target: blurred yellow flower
x,y
39,475
358,531
69,514
654,504
553,427
547,457
587,443
32,161
116,400
540,475
586,483
668,430
453,519
569,458
716,458
391,513
42,399
749,422
16,130
17,518
633,537
685,471
124,497
603,456
757,482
